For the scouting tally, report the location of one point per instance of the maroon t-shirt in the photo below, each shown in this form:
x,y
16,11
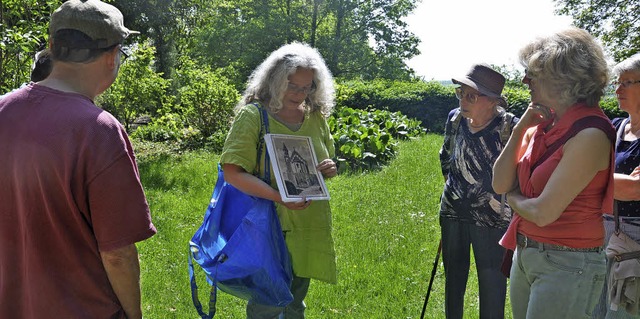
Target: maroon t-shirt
x,y
69,188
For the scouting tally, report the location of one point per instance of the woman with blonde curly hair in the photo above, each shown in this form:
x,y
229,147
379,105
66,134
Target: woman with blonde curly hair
x,y
557,169
295,87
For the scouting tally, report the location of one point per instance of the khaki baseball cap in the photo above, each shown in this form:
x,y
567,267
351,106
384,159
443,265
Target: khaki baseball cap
x,y
100,21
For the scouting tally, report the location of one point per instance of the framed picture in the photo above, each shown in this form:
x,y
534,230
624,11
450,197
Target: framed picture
x,y
294,164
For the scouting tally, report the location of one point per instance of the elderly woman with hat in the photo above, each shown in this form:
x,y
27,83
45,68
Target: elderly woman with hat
x,y
471,213
557,169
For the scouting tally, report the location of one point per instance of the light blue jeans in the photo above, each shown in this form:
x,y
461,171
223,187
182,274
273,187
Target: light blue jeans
x,y
555,284
632,230
295,310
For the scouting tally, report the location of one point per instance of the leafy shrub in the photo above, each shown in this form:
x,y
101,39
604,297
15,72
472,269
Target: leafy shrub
x,y
206,101
427,102
609,105
138,89
162,129
518,99
367,139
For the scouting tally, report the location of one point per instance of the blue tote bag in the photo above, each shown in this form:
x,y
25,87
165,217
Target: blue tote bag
x,y
240,246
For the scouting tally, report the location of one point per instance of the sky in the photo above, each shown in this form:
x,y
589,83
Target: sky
x,y
456,34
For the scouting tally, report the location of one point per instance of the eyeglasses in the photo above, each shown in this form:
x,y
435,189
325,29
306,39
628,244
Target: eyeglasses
x,y
296,89
472,98
124,53
625,84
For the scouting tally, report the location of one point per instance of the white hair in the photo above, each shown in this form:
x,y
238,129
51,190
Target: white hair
x,y
269,80
630,64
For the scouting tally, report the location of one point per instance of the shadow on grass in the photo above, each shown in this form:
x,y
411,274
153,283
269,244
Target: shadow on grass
x,y
153,172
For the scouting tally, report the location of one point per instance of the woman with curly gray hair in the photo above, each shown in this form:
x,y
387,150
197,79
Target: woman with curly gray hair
x,y
295,87
557,169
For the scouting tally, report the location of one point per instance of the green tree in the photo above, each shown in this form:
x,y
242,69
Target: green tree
x,y
138,89
616,22
168,23
369,39
23,31
358,38
205,99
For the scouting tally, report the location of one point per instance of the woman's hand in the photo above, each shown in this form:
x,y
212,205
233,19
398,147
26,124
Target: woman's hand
x,y
636,172
328,168
534,115
513,196
296,205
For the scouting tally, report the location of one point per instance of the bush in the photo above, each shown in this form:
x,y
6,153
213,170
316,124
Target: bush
x,y
518,99
206,101
609,105
427,102
367,139
168,127
138,89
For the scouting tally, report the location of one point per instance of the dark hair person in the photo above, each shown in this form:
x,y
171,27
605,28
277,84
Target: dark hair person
x,y
472,215
41,66
558,195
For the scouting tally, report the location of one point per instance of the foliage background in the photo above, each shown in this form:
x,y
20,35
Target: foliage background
x,y
184,78
385,229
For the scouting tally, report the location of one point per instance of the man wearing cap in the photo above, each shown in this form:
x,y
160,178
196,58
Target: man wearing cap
x,y
71,203
471,213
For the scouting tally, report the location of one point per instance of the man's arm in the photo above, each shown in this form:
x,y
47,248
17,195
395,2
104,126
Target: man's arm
x,y
123,270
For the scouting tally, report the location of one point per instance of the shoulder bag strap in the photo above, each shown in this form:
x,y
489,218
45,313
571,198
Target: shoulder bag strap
x,y
579,125
505,128
505,133
264,129
455,124
619,137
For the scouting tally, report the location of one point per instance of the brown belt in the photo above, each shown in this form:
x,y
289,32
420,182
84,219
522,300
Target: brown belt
x,y
525,242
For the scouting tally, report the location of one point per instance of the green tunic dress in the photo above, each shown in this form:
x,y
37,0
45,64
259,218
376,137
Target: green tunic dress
x,y
307,232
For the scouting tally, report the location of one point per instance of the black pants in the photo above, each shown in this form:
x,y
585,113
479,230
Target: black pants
x,y
457,240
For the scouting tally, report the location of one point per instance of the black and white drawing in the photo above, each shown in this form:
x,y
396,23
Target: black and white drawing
x,y
294,163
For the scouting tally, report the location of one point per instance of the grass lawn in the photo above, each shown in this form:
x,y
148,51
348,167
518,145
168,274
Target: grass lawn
x,y
385,229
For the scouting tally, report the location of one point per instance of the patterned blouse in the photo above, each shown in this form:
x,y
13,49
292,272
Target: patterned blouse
x,y
468,169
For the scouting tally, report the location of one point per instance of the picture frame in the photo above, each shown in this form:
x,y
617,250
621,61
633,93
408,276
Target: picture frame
x,y
294,163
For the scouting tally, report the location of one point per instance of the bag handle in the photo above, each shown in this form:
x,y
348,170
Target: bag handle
x,y
194,293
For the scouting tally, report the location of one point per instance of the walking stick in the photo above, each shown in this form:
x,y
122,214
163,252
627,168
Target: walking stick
x,y
433,275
